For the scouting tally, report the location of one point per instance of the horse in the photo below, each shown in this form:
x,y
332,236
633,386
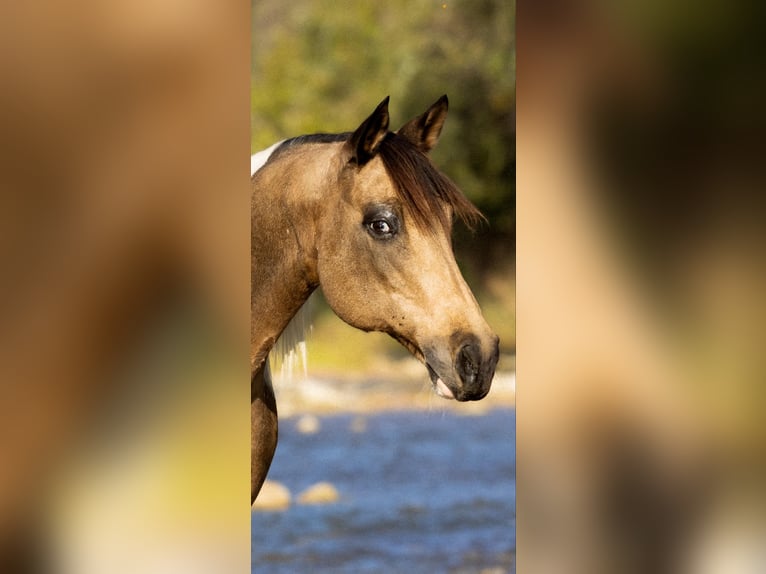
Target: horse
x,y
366,216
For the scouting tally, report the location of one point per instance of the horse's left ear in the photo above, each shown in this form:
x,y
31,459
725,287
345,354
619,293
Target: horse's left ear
x,y
424,130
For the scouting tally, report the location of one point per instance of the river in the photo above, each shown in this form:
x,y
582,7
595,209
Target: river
x,y
420,492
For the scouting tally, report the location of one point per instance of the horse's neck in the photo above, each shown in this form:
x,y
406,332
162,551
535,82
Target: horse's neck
x,y
276,297
283,271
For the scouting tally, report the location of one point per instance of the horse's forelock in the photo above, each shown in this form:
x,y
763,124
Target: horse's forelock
x,y
423,188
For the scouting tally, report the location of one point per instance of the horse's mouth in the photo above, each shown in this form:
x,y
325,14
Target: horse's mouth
x,y
439,385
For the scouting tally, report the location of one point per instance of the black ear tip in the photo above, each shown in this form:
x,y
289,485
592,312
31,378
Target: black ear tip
x,y
444,100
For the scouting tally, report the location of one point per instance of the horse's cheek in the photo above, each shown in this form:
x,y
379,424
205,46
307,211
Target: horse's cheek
x,y
350,292
332,274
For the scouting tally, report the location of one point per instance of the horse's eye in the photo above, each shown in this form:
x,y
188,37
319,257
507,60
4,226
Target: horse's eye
x,y
381,222
380,227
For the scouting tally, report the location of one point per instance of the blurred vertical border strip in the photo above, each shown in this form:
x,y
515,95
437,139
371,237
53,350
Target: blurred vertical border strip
x,y
641,276
124,237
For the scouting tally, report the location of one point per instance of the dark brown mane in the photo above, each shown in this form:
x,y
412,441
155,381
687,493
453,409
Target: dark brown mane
x,y
309,139
424,188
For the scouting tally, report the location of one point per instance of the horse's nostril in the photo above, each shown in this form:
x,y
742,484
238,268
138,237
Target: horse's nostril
x,y
468,362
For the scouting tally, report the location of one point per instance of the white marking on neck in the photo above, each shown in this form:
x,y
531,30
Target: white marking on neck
x,y
258,159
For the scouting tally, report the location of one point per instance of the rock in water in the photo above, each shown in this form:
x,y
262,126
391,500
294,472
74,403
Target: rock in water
x,y
320,493
308,424
273,496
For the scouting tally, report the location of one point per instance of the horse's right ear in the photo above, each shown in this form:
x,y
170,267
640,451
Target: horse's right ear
x,y
367,138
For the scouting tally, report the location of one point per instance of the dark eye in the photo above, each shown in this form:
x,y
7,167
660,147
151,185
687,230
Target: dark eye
x,y
380,227
381,222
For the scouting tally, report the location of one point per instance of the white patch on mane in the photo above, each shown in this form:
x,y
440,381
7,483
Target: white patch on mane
x,y
289,352
259,158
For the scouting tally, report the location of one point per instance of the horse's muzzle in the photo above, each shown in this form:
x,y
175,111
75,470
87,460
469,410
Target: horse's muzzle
x,y
475,367
467,376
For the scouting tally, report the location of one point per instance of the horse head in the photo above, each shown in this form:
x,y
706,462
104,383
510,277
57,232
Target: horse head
x,y
384,254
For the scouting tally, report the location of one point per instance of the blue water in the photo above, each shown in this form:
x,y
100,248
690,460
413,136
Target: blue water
x,y
420,493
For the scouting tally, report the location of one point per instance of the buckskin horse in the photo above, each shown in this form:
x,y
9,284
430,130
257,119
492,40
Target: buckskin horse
x,y
368,217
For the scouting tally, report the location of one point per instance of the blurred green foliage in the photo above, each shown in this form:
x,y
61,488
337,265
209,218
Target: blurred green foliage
x,y
324,66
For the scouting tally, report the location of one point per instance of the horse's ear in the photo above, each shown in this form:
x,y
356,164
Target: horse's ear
x,y
424,131
367,138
